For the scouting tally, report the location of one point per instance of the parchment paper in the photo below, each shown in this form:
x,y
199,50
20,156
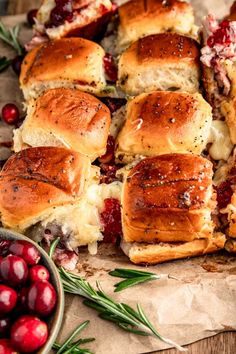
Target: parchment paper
x,y
199,303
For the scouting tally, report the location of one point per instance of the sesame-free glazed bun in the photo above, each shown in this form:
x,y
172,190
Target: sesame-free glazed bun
x,y
66,117
86,19
140,18
168,198
164,122
144,253
36,180
67,62
165,61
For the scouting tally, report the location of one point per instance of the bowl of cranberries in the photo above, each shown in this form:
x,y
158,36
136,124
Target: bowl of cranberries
x,y
31,296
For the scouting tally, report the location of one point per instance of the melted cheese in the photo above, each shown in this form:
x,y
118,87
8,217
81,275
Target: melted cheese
x,y
221,144
82,221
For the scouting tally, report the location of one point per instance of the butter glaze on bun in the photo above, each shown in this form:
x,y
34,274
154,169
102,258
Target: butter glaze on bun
x,y
168,198
141,18
67,62
164,122
165,61
36,180
66,117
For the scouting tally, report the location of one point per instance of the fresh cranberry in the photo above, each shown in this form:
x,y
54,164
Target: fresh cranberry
x,y
13,269
6,347
16,64
109,155
42,298
10,113
5,323
4,246
28,334
111,220
31,15
113,103
110,67
38,272
8,298
25,250
62,12
224,194
22,297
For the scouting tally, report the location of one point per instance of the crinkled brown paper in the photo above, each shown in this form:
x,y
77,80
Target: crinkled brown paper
x,y
199,304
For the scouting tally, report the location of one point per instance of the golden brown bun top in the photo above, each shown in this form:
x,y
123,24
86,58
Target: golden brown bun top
x,y
78,118
176,181
166,46
64,55
163,107
37,179
138,8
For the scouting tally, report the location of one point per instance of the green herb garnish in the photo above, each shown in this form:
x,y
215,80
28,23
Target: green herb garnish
x,y
4,63
11,37
133,277
124,316
68,347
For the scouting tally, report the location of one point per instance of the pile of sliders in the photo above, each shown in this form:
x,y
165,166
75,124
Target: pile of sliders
x,y
142,156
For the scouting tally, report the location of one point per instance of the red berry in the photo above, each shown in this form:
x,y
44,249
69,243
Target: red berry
x,y
16,64
5,347
31,16
8,298
28,334
4,246
38,272
224,193
25,250
14,270
42,298
10,113
5,323
110,67
111,220
109,155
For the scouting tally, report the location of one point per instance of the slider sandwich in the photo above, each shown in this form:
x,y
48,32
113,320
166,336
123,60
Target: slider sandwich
x,y
165,61
68,62
67,18
163,122
65,117
167,205
139,18
52,191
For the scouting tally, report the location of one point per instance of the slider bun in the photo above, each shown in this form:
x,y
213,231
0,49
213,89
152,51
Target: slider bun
x,y
228,109
36,180
140,253
165,61
164,122
168,198
67,62
139,18
88,19
66,117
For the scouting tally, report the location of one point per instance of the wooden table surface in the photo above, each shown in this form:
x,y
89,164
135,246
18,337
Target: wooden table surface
x,y
223,343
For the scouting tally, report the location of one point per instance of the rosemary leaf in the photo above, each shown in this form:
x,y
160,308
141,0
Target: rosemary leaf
x,y
128,273
11,37
4,63
72,336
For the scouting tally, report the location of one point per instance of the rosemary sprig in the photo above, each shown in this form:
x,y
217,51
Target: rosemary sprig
x,y
133,277
122,315
68,347
11,37
4,63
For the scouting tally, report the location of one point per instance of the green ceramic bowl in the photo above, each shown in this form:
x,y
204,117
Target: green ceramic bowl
x,y
54,322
